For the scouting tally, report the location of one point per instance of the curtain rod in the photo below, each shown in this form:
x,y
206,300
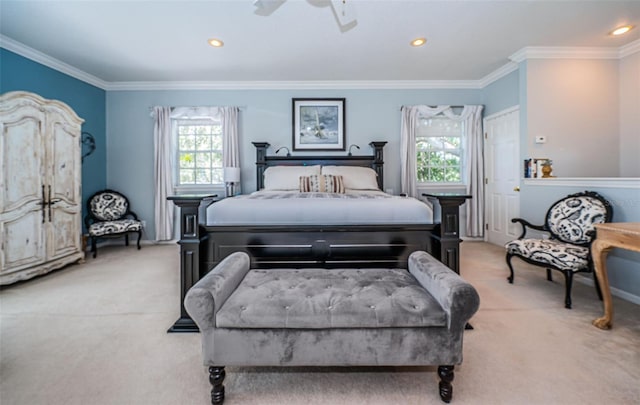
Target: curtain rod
x,y
435,106
240,107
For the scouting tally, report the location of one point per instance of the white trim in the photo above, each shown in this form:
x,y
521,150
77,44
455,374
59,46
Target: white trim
x,y
563,52
503,112
629,49
600,182
297,85
46,60
497,74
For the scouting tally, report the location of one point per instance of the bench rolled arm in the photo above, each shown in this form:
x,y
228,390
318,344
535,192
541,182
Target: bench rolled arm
x,y
205,298
457,297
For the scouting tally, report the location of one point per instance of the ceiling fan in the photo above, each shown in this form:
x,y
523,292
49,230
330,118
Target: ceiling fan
x,y
343,10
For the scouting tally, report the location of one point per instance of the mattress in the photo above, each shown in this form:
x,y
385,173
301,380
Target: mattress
x,y
295,208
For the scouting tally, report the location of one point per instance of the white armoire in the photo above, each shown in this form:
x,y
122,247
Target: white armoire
x,y
40,186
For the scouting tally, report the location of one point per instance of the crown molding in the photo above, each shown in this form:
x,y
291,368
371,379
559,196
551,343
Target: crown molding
x,y
563,52
297,85
497,74
46,60
630,49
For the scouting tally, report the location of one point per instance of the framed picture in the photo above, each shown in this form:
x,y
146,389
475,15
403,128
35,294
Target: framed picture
x,y
318,124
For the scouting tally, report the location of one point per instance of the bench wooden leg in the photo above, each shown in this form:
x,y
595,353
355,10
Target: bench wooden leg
x,y
446,376
216,378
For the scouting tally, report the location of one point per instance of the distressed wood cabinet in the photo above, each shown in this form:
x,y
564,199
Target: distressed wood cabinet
x,y
40,186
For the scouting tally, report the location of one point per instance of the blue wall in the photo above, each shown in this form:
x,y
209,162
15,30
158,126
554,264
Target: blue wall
x,y
501,94
371,115
19,73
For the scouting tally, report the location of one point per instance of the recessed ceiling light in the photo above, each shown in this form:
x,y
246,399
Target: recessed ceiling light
x,y
418,42
215,42
621,30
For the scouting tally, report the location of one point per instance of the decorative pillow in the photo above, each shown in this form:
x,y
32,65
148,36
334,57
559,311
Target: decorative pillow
x,y
287,177
321,184
354,177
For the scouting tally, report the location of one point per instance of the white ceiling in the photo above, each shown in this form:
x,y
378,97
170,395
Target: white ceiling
x,y
302,40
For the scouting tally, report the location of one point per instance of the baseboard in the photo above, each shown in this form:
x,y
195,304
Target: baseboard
x,y
120,242
614,291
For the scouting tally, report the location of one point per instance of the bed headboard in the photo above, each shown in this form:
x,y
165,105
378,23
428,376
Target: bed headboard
x,y
375,161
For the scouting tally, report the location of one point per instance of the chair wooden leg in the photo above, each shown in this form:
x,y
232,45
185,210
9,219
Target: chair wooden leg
x,y
126,239
139,237
549,276
94,250
568,275
508,259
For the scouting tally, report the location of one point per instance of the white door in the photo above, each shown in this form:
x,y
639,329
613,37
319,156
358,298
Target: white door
x,y
502,168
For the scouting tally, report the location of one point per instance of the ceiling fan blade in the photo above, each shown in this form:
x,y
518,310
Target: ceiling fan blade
x,y
267,7
344,12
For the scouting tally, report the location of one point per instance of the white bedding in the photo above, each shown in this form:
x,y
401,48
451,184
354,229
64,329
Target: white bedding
x,y
356,207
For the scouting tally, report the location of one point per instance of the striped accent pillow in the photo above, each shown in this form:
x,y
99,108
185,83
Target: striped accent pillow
x,y
324,183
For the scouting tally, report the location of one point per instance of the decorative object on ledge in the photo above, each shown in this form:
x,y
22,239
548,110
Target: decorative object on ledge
x,y
283,147
88,144
357,147
231,178
318,124
546,168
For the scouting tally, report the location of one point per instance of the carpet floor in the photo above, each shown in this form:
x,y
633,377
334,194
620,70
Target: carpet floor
x,y
95,333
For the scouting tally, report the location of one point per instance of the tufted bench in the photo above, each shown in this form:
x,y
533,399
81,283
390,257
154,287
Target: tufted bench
x,y
331,317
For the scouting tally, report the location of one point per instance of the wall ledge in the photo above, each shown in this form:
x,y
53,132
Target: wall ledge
x,y
600,182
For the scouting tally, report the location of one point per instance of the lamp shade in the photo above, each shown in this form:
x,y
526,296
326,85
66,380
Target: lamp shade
x,y
231,174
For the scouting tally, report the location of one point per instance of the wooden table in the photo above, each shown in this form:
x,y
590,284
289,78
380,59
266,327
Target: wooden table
x,y
609,235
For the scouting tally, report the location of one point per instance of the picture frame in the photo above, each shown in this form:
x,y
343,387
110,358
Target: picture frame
x,y
318,124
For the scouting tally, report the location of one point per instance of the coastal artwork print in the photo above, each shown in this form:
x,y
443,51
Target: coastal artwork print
x,y
318,124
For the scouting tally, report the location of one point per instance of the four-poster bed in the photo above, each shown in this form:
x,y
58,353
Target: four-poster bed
x,y
376,242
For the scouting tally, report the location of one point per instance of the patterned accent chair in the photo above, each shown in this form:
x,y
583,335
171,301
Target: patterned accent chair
x,y
109,215
570,224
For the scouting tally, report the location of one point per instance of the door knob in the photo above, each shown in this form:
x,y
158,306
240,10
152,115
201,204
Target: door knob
x,y
516,188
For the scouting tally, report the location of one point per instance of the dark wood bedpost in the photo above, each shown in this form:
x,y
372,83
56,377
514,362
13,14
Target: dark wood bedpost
x,y
447,238
261,162
192,251
378,161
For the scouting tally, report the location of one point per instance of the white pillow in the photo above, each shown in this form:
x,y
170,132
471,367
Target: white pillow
x,y
354,177
287,177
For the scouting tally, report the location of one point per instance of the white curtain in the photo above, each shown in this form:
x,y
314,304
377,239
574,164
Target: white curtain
x,y
410,120
408,182
471,115
474,167
164,152
230,142
163,172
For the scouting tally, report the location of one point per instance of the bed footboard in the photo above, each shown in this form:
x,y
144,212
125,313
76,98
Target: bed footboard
x,y
203,247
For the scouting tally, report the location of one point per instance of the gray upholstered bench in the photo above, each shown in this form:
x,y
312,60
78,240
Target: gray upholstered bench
x,y
331,317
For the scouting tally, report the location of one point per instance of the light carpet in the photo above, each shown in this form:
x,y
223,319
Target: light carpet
x,y
95,333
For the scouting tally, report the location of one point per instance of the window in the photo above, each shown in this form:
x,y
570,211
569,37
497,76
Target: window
x,y
439,149
199,153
